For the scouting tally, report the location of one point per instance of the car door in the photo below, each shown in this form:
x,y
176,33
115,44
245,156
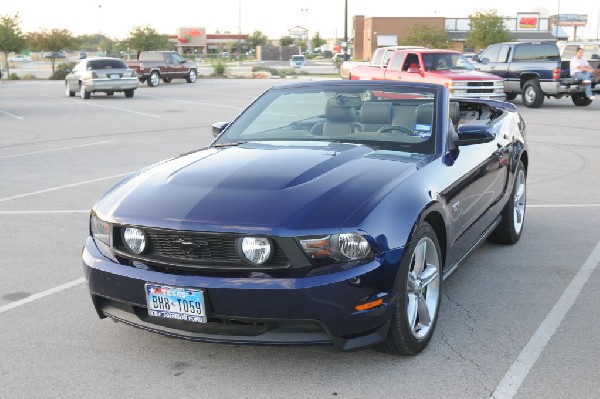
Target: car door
x,y
177,65
479,175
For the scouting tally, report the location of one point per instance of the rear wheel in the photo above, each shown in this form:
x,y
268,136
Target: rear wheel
x,y
513,215
532,94
580,100
129,93
417,303
154,79
192,76
84,94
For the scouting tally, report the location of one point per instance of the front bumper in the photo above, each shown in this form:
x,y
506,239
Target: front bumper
x,y
274,311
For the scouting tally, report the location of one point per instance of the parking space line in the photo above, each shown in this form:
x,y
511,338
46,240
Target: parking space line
x,y
40,295
109,107
12,115
54,149
62,187
193,102
42,212
513,379
565,206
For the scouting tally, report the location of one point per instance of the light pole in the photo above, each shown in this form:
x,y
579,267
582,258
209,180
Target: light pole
x,y
239,41
346,29
99,19
304,11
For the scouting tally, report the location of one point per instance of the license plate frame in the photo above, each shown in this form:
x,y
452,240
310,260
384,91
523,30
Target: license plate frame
x,y
176,303
114,76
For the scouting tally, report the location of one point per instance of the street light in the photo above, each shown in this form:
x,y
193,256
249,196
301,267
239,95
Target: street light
x,y
304,11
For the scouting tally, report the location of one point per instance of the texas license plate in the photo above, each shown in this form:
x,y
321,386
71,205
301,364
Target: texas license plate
x,y
175,303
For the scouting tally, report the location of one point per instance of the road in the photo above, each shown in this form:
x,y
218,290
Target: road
x,y
43,69
516,322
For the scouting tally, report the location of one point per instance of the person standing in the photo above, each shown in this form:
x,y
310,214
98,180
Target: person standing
x,y
581,69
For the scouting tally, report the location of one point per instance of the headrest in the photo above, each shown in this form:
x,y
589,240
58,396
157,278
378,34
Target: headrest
x,y
338,113
376,112
424,120
454,112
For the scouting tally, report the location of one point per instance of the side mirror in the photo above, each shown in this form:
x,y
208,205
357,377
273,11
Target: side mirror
x,y
475,58
474,134
217,128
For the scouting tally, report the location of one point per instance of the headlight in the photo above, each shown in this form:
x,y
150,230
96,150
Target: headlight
x,y
100,229
135,239
345,246
255,250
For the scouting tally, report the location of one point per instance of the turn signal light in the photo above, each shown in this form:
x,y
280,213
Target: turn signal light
x,y
369,305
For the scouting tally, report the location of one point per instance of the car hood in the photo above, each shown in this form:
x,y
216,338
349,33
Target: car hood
x,y
259,187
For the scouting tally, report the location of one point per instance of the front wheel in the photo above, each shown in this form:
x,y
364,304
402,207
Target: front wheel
x,y
69,92
154,79
532,94
513,215
192,76
580,100
417,303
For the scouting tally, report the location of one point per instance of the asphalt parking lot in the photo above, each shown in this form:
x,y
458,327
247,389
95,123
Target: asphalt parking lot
x,y
517,321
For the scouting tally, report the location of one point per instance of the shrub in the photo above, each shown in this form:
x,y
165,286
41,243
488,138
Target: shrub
x,y
14,76
272,71
219,68
61,72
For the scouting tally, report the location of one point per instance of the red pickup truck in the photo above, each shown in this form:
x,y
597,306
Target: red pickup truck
x,y
152,66
446,67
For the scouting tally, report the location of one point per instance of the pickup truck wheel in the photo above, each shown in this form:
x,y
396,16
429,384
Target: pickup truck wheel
x,y
510,96
532,94
580,100
192,76
167,80
154,79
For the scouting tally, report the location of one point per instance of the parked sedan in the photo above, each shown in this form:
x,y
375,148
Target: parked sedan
x,y
105,75
325,213
19,58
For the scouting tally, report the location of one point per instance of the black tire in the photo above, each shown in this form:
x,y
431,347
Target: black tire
x,y
510,96
532,94
167,80
580,100
153,79
192,76
110,93
129,93
68,91
417,303
84,94
513,215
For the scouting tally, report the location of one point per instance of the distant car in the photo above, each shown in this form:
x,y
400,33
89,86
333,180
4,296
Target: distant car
x,y
19,58
225,54
298,61
54,54
105,75
326,213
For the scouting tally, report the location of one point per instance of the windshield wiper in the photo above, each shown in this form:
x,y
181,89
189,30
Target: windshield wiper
x,y
231,144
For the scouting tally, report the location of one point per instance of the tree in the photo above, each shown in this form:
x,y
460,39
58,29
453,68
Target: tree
x,y
146,38
421,35
286,40
52,41
486,28
257,38
11,37
317,40
301,44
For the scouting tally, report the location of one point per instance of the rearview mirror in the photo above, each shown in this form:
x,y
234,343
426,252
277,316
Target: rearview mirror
x,y
474,134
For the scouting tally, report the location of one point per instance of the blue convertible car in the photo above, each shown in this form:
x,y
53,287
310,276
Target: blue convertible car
x,y
325,213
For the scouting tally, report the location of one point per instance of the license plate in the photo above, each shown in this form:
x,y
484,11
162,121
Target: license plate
x,y
175,303
115,76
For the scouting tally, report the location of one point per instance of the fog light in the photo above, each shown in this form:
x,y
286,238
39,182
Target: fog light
x,y
135,239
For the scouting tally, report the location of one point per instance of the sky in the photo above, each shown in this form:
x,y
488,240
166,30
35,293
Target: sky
x,y
117,18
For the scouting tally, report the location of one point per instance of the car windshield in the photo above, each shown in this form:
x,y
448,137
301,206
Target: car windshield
x,y
297,58
446,61
385,117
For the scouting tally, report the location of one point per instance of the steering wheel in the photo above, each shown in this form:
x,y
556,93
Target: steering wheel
x,y
389,128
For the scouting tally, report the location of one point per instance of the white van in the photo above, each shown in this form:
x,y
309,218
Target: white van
x,y
297,61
